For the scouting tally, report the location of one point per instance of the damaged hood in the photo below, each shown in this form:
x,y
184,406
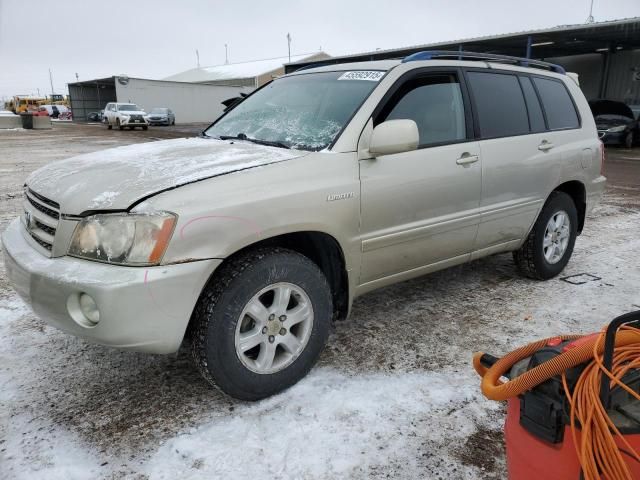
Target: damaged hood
x,y
116,178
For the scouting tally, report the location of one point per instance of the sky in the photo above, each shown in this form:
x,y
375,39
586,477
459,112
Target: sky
x,y
157,38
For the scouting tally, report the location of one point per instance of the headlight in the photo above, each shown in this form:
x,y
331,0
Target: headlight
x,y
617,129
123,238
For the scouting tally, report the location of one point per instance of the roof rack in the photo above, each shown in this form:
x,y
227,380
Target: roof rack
x,y
486,57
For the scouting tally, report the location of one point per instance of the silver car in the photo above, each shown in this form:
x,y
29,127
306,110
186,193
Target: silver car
x,y
319,187
161,116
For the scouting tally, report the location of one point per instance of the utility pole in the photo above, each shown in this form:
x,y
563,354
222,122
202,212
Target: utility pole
x,y
226,54
289,44
77,77
590,18
197,58
51,82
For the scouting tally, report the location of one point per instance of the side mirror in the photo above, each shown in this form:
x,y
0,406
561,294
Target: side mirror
x,y
394,136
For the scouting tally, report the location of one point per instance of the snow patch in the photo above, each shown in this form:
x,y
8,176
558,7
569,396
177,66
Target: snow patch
x,y
330,425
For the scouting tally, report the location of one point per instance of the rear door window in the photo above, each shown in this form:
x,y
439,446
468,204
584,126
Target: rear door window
x,y
558,106
500,104
435,103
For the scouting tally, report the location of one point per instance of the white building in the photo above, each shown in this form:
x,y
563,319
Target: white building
x,y
252,74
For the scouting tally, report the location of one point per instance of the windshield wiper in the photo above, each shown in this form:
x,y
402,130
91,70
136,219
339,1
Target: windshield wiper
x,y
242,136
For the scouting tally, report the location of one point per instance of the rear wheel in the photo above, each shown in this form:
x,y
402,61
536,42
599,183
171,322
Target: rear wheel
x,y
261,323
549,246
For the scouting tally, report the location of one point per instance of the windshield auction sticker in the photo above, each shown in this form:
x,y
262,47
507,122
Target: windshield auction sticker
x,y
371,75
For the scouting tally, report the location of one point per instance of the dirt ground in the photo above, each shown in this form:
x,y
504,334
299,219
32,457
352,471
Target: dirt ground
x,y
394,395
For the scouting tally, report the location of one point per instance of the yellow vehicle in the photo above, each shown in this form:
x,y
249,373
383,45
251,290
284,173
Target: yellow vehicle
x,y
24,103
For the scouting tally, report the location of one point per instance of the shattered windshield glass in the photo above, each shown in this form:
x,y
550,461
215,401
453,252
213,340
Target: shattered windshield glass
x,y
302,111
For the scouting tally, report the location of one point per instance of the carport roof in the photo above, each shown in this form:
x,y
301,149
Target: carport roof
x,y
563,40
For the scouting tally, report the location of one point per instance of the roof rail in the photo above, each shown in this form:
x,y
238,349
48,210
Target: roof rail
x,y
486,57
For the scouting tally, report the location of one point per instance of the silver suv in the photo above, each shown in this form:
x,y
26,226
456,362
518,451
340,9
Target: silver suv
x,y
319,187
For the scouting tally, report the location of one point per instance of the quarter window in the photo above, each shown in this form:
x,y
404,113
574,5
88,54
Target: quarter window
x,y
558,106
500,105
435,103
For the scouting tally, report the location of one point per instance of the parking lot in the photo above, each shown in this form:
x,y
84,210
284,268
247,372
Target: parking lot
x,y
394,395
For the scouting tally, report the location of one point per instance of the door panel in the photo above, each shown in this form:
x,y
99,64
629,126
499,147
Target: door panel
x,y
515,175
418,208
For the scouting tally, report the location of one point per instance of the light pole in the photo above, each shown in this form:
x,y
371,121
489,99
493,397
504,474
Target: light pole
x,y
289,45
590,18
51,82
226,54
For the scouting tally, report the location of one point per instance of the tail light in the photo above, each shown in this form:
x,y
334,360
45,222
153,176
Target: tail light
x,y
603,157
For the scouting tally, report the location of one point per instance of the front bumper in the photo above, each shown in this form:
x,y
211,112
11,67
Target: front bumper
x,y
141,308
159,121
128,122
612,138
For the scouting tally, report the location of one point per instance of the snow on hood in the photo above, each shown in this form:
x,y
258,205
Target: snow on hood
x,y
114,179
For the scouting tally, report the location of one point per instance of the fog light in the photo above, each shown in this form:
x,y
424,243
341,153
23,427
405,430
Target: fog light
x,y
89,308
83,309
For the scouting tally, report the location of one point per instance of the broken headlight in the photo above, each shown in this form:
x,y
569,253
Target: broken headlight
x,y
123,238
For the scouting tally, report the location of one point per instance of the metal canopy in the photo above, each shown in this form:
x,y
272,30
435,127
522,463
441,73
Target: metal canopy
x,y
559,41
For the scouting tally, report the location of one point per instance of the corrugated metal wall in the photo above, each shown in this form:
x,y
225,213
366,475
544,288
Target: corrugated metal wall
x,y
86,98
624,77
622,82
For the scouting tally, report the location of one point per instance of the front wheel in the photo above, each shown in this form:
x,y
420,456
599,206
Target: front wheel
x,y
261,323
549,246
628,140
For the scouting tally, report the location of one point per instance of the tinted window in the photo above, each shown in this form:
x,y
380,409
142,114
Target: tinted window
x,y
536,118
435,104
500,104
561,113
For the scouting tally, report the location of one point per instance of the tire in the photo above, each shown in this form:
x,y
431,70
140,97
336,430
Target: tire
x,y
216,324
109,127
145,128
530,258
628,140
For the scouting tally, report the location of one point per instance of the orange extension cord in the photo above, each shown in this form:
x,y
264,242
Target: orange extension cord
x,y
599,455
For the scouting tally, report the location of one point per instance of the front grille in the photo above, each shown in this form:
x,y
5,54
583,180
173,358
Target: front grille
x,y
41,208
136,117
43,244
40,219
45,228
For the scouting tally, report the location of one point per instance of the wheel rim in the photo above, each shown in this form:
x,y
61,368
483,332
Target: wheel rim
x,y
556,237
274,328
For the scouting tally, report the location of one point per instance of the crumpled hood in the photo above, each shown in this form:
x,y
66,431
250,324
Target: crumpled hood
x,y
114,179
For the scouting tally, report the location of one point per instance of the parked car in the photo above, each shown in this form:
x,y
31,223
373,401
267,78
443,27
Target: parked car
x,y
95,116
125,115
161,116
319,187
616,123
53,111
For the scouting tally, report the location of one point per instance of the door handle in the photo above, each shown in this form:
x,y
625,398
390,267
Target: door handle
x,y
467,159
544,146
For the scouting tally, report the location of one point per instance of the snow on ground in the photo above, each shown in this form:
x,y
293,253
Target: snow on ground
x,y
394,394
